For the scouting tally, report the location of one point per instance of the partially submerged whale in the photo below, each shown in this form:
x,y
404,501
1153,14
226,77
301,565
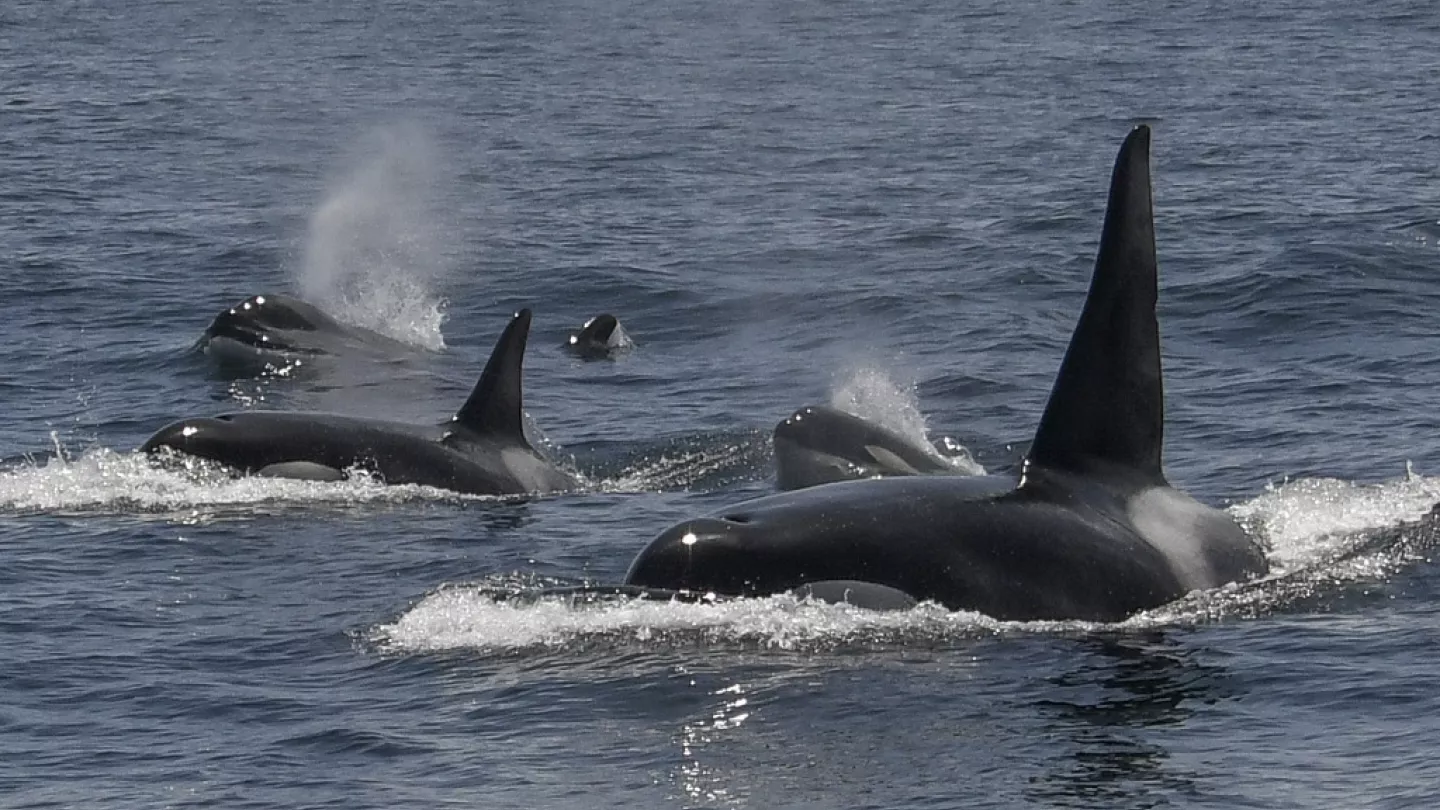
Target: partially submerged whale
x,y
600,337
819,444
482,449
1089,529
273,331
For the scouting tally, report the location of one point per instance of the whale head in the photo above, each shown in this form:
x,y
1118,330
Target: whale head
x,y
260,321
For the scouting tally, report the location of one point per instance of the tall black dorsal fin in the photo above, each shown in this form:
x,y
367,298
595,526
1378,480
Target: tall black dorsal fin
x,y
494,407
1107,407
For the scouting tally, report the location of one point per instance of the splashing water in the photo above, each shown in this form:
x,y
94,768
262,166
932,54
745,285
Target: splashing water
x,y
869,392
1323,536
102,481
470,617
1303,520
373,254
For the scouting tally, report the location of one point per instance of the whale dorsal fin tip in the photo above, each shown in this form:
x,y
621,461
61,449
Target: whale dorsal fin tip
x,y
495,406
1106,408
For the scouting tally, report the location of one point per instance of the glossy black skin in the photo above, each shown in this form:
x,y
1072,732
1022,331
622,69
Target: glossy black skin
x,y
1061,547
819,444
445,456
272,331
601,337
481,450
1090,530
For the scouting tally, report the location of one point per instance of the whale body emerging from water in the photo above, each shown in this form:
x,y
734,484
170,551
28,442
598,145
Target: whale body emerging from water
x,y
272,331
819,444
482,449
1089,529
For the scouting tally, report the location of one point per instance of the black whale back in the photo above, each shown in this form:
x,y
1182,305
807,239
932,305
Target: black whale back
x,y
1107,410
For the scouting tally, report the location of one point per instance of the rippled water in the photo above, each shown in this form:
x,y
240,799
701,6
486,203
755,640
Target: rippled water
x,y
890,208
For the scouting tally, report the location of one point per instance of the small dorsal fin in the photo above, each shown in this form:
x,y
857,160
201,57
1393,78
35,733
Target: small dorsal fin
x,y
494,407
1107,407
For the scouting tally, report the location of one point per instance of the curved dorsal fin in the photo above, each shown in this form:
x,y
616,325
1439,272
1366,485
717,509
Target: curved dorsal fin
x,y
494,407
1107,407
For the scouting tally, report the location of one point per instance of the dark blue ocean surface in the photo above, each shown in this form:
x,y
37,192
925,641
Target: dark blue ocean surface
x,y
893,207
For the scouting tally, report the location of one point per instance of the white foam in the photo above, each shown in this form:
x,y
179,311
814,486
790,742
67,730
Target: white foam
x,y
470,617
1303,521
102,480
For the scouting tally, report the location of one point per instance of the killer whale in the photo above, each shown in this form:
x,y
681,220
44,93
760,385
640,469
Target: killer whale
x,y
1088,529
819,444
600,337
482,449
272,331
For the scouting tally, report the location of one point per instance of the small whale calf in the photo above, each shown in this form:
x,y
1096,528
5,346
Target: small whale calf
x,y
272,331
1089,529
819,444
482,449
